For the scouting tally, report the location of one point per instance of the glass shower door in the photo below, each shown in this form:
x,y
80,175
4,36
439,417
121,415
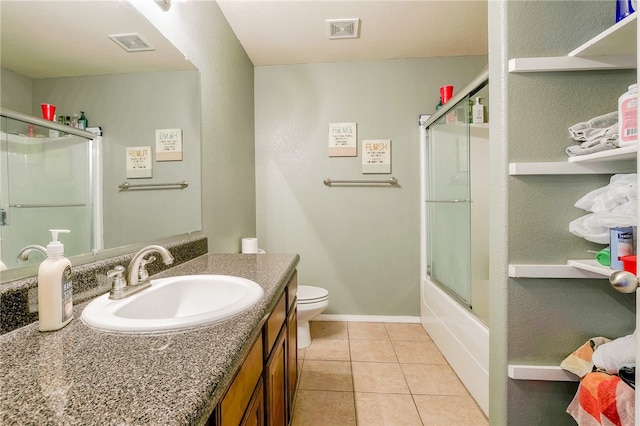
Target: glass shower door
x,y
45,183
448,203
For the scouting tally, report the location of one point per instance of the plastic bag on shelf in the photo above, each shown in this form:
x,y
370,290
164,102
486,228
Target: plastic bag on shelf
x,y
621,189
594,227
611,206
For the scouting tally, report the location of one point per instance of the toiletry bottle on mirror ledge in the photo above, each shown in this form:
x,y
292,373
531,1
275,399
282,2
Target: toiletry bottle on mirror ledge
x,y
55,287
83,123
478,111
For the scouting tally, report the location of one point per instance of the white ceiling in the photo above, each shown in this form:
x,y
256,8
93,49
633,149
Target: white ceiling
x,y
277,32
45,39
58,38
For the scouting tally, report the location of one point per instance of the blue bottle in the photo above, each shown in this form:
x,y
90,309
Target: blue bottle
x,y
624,8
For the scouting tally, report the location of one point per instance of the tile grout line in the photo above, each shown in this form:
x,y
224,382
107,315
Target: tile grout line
x,y
353,384
402,338
413,399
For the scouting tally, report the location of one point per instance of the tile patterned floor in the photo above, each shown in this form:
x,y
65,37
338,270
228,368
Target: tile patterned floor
x,y
370,374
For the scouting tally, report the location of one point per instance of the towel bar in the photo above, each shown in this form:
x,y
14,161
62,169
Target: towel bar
x,y
126,185
448,201
35,206
391,181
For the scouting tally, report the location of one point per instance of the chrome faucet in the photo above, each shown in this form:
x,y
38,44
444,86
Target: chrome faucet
x,y
136,277
23,255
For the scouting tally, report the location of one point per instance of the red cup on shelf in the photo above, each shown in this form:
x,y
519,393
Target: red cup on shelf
x,y
446,92
48,111
629,263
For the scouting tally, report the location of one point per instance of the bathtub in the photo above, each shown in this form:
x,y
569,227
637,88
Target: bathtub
x,y
460,336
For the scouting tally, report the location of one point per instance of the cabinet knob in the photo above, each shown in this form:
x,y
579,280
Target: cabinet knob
x,y
624,282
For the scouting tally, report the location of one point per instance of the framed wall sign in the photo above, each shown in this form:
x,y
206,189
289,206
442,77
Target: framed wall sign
x,y
376,156
139,162
168,144
343,139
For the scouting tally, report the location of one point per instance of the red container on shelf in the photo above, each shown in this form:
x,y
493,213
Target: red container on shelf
x,y
446,93
629,263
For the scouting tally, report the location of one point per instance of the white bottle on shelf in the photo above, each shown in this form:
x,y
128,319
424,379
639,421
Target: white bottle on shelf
x,y
478,112
55,287
628,116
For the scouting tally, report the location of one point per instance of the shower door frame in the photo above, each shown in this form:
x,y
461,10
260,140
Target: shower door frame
x,y
461,337
94,159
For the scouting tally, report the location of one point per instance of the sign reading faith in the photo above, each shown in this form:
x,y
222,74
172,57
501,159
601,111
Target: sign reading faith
x,y
376,156
168,144
343,140
139,163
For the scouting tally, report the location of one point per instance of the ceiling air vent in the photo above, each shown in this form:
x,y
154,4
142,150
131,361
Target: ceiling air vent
x,y
132,42
343,28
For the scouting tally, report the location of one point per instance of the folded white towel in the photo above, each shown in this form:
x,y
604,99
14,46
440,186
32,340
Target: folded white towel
x,y
599,135
614,355
594,128
590,148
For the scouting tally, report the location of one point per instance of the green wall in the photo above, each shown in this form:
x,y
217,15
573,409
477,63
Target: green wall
x,y
360,243
16,91
200,31
541,321
129,108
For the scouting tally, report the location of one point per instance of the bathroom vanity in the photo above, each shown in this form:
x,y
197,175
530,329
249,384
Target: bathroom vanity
x,y
239,371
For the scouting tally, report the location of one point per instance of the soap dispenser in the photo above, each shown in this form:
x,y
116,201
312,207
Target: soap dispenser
x,y
55,287
478,112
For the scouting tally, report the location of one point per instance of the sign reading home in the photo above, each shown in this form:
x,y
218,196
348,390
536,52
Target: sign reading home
x,y
139,163
376,156
343,140
168,144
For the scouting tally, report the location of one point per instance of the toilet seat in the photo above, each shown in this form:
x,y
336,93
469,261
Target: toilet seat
x,y
310,294
312,301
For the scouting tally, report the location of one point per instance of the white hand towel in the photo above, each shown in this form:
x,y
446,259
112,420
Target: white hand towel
x,y
614,355
586,130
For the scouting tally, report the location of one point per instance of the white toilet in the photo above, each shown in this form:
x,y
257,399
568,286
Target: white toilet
x,y
312,301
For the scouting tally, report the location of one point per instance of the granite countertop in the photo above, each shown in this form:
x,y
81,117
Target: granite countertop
x,y
78,375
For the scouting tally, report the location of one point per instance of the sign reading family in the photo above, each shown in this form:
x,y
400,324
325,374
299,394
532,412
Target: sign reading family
x,y
376,156
168,144
343,140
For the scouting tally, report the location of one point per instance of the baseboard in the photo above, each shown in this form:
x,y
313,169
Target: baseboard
x,y
367,318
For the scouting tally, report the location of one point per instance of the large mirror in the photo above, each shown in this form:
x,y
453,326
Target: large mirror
x,y
60,52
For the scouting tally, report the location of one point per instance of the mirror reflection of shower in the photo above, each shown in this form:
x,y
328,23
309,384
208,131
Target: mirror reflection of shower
x,y
47,180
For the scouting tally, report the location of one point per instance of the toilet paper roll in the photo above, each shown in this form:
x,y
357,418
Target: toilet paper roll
x,y
249,245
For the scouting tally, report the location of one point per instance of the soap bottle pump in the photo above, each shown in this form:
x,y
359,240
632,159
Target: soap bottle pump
x,y
82,121
478,111
55,287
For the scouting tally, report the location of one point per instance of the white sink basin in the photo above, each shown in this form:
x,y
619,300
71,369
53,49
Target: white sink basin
x,y
175,303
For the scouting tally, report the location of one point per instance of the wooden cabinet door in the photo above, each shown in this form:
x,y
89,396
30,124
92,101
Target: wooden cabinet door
x,y
255,412
292,358
276,383
237,398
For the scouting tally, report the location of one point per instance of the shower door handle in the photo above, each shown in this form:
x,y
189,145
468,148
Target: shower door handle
x,y
448,201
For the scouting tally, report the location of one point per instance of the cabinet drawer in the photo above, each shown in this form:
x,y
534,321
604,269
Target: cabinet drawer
x,y
239,393
292,290
274,324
